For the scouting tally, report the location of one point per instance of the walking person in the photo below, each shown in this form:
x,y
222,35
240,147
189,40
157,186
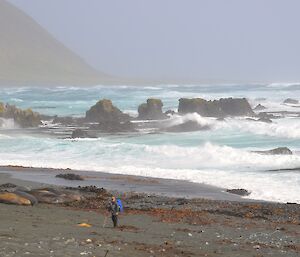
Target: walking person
x,y
114,209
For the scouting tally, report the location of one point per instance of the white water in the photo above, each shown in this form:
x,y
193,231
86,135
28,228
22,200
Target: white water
x,y
7,124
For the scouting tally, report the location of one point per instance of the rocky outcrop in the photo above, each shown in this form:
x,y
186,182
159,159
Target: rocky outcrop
x,y
7,186
108,118
64,120
264,119
277,151
170,112
114,127
290,101
152,110
105,111
24,118
239,191
266,115
91,189
79,133
259,107
69,176
2,108
217,108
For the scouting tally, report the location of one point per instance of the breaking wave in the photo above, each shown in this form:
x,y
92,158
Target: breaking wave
x,y
284,128
7,124
202,121
208,163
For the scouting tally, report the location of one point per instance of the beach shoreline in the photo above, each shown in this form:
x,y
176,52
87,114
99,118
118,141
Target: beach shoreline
x,y
156,224
122,183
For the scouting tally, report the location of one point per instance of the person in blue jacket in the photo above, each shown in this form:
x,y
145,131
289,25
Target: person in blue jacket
x,y
114,209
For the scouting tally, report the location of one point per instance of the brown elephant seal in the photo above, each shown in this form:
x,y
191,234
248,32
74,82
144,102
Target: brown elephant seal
x,y
13,198
53,196
28,196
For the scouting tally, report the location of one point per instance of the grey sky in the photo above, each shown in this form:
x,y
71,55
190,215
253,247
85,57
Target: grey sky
x,y
186,39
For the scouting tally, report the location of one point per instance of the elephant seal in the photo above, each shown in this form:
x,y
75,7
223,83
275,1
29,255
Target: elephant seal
x,y
28,196
53,196
45,196
13,198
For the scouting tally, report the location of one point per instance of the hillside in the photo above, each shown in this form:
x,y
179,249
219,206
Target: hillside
x,y
30,55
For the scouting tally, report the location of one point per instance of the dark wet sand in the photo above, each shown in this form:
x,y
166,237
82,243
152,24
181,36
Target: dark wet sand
x,y
150,226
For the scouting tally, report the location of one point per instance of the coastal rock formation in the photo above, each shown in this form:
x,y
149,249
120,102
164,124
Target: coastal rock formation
x,y
170,112
290,101
259,107
277,151
114,127
64,120
24,118
79,133
105,111
217,108
266,115
69,176
264,119
239,191
7,186
91,189
108,118
152,110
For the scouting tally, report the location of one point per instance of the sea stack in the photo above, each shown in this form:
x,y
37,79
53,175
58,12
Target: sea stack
x,y
105,111
216,108
151,110
24,118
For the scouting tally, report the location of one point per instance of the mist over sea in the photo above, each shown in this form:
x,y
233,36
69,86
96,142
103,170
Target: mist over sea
x,y
222,156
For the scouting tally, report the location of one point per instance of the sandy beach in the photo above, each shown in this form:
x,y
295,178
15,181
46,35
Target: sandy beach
x,y
160,224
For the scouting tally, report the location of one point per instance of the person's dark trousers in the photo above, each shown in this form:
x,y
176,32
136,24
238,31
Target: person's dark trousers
x,y
115,220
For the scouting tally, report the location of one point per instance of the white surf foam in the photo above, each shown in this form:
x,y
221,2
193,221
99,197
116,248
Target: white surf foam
x,y
211,164
177,119
283,84
7,123
283,128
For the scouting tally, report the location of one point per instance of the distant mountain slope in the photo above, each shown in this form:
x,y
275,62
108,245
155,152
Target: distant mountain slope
x,y
30,55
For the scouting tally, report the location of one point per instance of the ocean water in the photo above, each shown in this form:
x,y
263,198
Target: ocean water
x,y
221,156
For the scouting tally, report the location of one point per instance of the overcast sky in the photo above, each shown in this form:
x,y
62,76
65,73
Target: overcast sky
x,y
180,39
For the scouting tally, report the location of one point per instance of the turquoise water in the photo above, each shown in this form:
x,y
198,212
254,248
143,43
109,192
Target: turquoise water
x,y
75,101
220,156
